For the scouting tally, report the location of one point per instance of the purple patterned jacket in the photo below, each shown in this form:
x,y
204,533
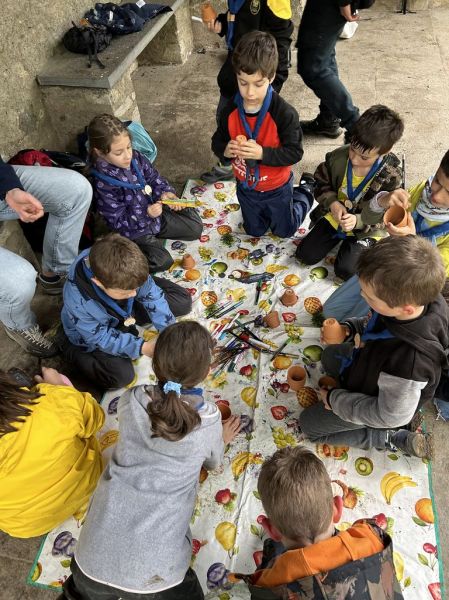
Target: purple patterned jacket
x,y
124,210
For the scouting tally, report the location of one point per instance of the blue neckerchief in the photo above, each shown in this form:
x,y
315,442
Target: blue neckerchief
x,y
252,134
353,194
233,6
124,184
107,299
191,392
429,232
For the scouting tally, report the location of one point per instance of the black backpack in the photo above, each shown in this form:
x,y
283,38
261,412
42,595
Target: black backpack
x,y
87,39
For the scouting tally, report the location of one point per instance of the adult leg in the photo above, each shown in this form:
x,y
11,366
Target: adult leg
x,y
346,301
65,196
159,259
255,221
183,225
317,243
178,298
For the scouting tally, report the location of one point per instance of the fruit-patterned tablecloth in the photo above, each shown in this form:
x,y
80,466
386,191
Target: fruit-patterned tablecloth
x,y
227,519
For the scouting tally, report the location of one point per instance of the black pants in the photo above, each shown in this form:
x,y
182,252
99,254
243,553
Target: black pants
x,y
80,587
320,28
183,225
111,372
320,241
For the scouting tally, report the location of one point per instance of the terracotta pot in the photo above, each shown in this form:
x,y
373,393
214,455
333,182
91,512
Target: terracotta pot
x,y
289,298
296,377
207,12
327,382
271,320
225,411
333,332
396,215
188,262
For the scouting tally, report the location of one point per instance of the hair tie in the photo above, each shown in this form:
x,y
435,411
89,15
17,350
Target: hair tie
x,y
172,386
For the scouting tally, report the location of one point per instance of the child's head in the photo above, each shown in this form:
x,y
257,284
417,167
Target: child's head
x,y
296,493
118,265
15,403
440,184
399,275
254,60
182,355
374,134
109,139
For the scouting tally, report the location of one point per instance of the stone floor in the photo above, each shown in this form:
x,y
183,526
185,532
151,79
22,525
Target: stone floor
x,y
401,61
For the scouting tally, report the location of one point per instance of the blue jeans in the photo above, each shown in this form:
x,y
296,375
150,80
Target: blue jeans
x,y
65,196
346,301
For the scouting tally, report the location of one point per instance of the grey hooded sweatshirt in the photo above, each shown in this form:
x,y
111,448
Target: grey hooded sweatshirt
x,y
136,536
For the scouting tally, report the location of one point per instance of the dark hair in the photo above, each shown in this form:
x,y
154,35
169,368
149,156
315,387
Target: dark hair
x,y
445,164
101,132
296,493
118,262
403,270
256,51
15,403
378,127
183,354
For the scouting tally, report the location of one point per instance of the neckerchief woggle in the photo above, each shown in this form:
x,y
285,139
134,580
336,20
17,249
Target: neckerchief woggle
x,y
429,232
126,315
252,135
233,6
124,184
367,335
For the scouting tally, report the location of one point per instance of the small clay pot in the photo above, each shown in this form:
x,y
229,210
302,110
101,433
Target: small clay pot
x,y
225,411
396,215
333,332
271,320
296,377
188,262
327,382
289,298
207,12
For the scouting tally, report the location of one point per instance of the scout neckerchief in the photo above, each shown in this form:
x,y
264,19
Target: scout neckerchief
x,y
233,8
142,185
196,391
429,232
126,315
252,135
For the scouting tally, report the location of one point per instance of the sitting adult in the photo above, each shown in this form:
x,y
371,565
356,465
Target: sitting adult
x,y
26,193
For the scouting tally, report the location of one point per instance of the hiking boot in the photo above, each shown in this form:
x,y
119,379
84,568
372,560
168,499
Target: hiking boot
x,y
318,126
33,341
53,286
218,173
412,443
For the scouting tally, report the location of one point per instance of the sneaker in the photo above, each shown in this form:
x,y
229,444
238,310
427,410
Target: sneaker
x,y
307,182
52,288
412,443
317,126
218,173
33,341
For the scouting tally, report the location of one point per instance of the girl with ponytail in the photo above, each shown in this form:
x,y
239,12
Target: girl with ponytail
x,y
136,541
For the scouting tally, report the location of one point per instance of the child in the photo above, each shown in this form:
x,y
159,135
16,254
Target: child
x,y
428,204
128,192
305,557
241,18
346,182
390,364
107,293
136,539
262,163
50,459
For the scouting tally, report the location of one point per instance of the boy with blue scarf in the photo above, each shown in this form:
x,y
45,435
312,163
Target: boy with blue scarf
x,y
260,133
391,361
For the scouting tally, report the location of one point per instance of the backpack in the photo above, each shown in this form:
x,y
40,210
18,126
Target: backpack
x,y
141,140
117,19
87,39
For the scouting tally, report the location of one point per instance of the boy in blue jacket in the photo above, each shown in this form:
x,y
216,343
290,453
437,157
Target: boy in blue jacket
x,y
109,292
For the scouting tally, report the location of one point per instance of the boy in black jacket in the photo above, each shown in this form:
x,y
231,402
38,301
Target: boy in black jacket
x,y
261,135
391,364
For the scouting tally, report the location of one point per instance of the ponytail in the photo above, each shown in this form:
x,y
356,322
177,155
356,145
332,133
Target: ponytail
x,y
15,403
172,418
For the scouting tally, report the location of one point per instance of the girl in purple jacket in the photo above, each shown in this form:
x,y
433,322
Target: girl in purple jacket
x,y
128,191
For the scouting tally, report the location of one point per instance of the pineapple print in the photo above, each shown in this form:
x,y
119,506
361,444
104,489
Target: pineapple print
x,y
313,305
307,397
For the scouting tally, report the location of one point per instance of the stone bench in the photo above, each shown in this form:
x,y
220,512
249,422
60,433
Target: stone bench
x,y
73,93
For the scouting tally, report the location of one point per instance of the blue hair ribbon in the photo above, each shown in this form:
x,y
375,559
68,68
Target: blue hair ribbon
x,y
172,386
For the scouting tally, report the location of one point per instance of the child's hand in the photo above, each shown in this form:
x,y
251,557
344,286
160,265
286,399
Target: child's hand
x,y
214,26
232,149
171,196
52,376
148,348
408,229
337,210
250,149
154,210
231,428
348,222
397,197
323,397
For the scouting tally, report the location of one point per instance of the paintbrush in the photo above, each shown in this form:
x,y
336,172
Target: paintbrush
x,y
279,350
258,290
403,172
229,309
